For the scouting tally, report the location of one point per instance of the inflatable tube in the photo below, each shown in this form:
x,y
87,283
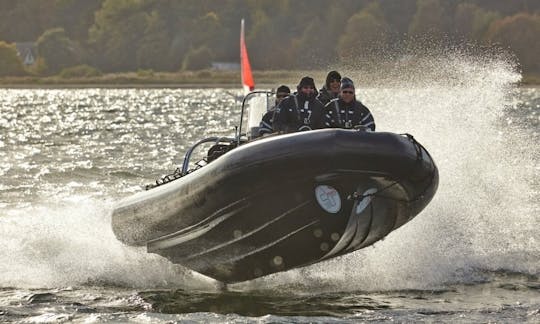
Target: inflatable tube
x,y
282,202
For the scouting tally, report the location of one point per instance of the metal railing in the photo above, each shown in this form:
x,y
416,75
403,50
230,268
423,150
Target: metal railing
x,y
249,95
216,140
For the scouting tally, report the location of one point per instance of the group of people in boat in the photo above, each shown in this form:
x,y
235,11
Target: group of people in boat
x,y
334,105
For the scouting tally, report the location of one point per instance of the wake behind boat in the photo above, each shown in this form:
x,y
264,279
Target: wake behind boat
x,y
281,202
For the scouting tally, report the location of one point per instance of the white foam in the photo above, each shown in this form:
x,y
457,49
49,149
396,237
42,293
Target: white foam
x,y
484,216
70,243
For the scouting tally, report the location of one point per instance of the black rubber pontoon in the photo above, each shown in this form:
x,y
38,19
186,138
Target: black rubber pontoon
x,y
282,202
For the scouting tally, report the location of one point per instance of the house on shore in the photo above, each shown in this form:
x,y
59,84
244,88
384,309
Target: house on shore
x,y
226,66
27,51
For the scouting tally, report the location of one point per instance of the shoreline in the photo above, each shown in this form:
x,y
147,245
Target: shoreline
x,y
120,86
167,86
203,79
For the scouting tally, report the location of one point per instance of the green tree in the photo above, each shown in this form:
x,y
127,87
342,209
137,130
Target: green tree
x,y
126,35
153,49
209,35
430,20
10,62
76,17
508,8
520,33
263,40
198,59
472,22
366,34
318,45
58,51
230,14
118,28
208,28
399,14
25,20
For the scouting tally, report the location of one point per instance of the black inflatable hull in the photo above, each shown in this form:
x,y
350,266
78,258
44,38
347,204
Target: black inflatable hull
x,y
282,202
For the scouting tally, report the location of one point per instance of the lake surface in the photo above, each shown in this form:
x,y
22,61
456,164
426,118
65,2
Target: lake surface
x,y
473,255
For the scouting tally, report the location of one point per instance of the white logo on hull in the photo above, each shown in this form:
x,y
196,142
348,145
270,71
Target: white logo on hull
x,y
328,198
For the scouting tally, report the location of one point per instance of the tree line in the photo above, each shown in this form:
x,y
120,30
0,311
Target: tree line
x,y
171,35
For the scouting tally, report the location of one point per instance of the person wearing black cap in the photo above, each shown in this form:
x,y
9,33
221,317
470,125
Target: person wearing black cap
x,y
330,90
265,126
346,111
300,111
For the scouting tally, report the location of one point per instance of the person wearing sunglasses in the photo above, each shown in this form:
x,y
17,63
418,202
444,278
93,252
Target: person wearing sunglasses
x,y
330,90
346,111
300,111
265,127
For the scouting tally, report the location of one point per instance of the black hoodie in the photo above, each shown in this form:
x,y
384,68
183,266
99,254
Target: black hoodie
x,y
299,112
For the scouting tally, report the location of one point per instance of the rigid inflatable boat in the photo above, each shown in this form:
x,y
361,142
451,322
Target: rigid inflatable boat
x,y
281,202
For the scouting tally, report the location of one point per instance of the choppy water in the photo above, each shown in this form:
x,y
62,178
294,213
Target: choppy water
x,y
472,256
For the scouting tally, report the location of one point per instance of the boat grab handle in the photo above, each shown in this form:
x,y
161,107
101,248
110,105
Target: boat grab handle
x,y
187,157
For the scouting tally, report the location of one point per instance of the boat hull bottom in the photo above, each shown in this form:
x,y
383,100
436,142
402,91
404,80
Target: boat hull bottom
x,y
272,232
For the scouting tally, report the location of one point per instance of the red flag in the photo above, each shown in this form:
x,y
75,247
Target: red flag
x,y
247,78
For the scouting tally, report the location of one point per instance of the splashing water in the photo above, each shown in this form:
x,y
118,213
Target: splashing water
x,y
485,214
71,244
55,223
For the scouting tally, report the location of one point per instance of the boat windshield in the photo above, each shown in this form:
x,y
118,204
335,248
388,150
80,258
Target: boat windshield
x,y
255,105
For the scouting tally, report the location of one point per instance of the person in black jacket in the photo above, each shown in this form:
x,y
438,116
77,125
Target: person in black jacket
x,y
346,111
301,110
266,125
330,90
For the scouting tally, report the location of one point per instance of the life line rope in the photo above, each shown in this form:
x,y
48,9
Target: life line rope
x,y
418,148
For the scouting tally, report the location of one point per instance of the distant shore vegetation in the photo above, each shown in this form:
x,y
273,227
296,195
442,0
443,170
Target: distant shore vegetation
x,y
184,79
177,42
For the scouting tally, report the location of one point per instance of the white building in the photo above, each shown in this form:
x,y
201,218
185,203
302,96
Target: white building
x,y
27,51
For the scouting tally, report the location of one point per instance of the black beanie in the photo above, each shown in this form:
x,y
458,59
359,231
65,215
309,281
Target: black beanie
x,y
347,83
284,89
332,75
306,81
